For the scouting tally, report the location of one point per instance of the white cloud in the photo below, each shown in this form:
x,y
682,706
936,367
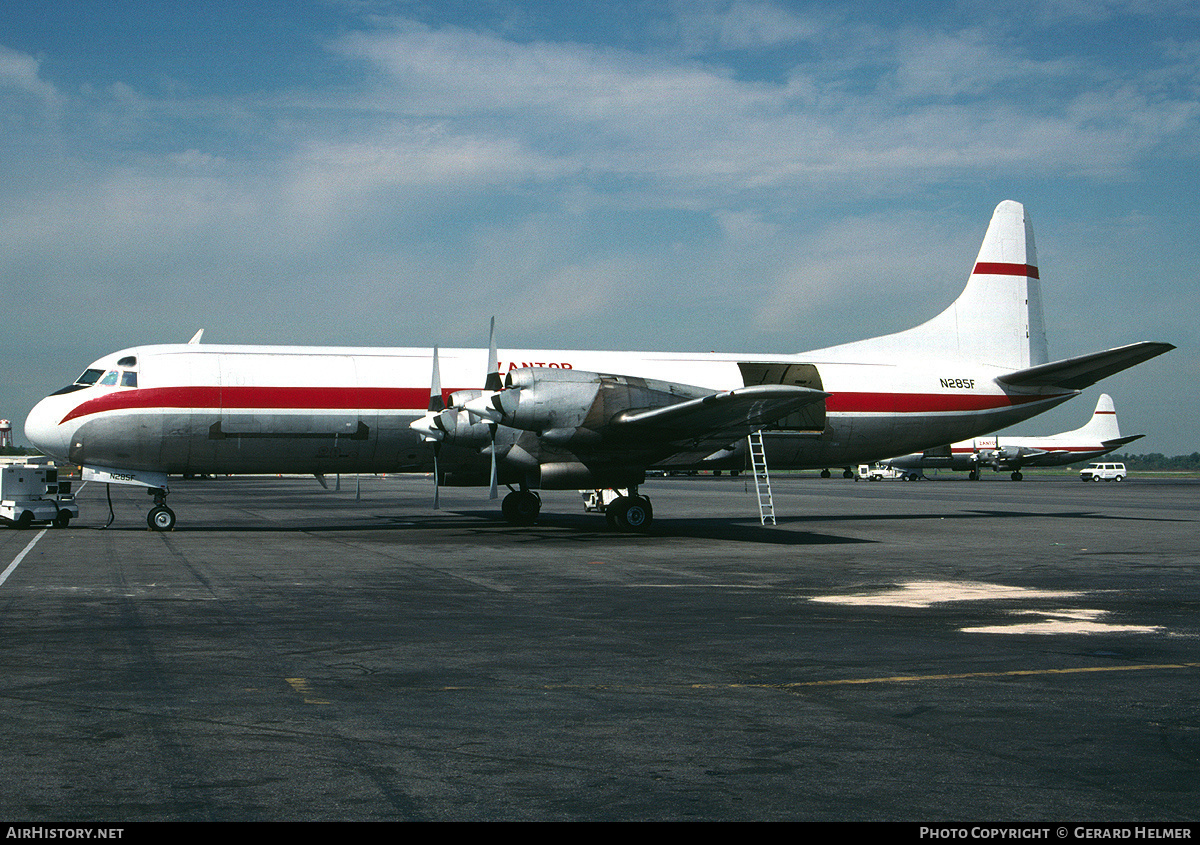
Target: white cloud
x,y
20,72
967,64
895,105
705,26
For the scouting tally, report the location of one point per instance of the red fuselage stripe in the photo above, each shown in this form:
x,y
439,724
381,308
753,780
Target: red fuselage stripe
x,y
210,398
1056,448
922,403
270,398
992,268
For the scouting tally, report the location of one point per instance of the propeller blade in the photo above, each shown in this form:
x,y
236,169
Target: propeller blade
x,y
493,381
494,492
437,407
436,485
432,426
436,403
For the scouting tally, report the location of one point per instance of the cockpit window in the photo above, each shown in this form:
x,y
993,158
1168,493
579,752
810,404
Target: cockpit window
x,y
110,377
127,361
129,379
89,377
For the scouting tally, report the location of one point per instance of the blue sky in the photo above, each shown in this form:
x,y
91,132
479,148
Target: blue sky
x,y
735,176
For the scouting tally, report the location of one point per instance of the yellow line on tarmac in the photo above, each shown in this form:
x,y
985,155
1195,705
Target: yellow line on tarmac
x,y
301,686
900,679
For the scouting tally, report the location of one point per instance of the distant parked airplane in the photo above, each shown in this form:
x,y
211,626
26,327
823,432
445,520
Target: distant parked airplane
x,y
1100,436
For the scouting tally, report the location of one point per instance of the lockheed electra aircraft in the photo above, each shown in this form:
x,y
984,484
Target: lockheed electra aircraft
x,y
573,419
1099,437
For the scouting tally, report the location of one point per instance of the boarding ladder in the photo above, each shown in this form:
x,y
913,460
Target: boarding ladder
x,y
762,480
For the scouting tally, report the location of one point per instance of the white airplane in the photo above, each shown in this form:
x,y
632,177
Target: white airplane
x,y
573,419
1100,436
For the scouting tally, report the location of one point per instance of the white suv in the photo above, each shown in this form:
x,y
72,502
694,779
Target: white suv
x,y
1105,472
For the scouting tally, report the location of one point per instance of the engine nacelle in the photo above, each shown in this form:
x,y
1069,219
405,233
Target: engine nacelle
x,y
559,402
572,475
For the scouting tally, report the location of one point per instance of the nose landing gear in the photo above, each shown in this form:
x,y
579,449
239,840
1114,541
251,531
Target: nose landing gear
x,y
161,517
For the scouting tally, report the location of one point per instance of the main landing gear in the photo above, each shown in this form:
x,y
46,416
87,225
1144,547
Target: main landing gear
x,y
628,511
161,517
847,472
521,507
624,510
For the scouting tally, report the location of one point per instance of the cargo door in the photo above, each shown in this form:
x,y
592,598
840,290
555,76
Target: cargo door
x,y
808,420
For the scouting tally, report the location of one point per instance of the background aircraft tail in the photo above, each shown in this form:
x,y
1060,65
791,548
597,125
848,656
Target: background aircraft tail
x,y
996,320
1103,424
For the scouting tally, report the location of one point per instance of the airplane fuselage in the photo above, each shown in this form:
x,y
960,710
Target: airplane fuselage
x,y
188,409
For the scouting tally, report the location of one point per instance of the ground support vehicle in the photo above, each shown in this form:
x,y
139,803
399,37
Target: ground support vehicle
x,y
32,493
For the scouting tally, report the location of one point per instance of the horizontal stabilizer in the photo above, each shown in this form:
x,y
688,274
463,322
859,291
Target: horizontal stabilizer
x,y
1085,370
1121,441
739,411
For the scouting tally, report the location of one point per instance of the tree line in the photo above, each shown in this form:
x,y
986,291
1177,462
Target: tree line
x,y
1157,460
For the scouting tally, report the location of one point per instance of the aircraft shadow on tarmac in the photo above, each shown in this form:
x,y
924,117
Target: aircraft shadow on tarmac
x,y
581,527
551,527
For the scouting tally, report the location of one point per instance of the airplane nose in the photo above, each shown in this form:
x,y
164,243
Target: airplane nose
x,y
42,429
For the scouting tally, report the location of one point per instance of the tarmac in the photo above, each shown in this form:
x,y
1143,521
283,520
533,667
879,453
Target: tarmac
x,y
929,652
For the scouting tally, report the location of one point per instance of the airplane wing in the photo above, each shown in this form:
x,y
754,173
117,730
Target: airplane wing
x,y
1085,370
687,433
603,420
1035,458
731,414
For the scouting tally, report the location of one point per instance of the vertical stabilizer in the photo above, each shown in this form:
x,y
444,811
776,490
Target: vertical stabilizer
x,y
996,320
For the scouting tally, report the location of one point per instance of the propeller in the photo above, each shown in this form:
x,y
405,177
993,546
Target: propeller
x,y
496,407
441,422
436,406
492,382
